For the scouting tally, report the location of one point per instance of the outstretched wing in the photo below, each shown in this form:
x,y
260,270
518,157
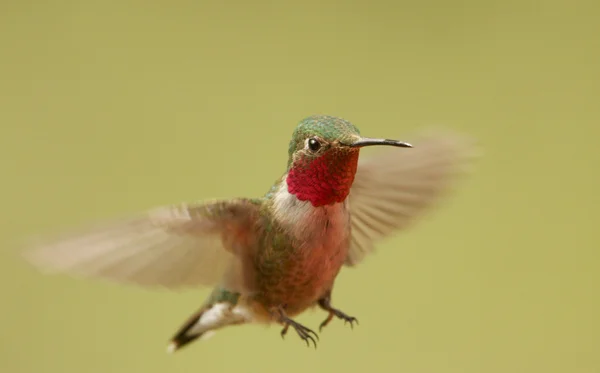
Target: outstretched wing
x,y
394,187
173,246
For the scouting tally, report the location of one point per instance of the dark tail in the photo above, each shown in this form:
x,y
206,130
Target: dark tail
x,y
189,332
218,311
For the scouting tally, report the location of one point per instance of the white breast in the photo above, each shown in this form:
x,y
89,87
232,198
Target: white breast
x,y
324,225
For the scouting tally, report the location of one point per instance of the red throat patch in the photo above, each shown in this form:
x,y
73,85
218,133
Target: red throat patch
x,y
324,180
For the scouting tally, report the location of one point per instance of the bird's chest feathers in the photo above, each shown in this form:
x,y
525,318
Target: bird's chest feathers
x,y
320,235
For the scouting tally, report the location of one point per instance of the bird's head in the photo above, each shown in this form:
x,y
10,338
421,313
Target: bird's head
x,y
323,157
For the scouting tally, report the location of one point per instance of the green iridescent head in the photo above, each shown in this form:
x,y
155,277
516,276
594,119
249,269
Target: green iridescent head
x,y
319,130
316,134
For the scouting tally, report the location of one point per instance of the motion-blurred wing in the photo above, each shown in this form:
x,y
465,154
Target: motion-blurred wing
x,y
173,246
397,185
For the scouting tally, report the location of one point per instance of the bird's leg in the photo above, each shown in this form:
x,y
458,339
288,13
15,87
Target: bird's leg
x,y
325,304
303,331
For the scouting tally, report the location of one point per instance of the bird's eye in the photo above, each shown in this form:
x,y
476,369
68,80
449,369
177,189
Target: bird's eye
x,y
314,145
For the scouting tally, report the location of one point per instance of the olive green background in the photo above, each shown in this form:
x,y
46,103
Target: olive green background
x,y
109,107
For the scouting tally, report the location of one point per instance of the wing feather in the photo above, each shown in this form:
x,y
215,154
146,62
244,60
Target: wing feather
x,y
172,246
396,186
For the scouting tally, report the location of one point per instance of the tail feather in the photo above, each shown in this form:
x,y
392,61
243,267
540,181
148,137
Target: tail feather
x,y
185,335
204,323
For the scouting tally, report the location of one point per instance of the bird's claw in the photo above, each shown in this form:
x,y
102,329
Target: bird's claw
x,y
305,333
284,331
339,314
306,336
351,320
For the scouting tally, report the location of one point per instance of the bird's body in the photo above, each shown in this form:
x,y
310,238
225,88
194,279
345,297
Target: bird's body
x,y
269,259
304,254
285,269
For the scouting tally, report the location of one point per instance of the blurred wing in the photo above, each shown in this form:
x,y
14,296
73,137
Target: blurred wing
x,y
173,246
394,187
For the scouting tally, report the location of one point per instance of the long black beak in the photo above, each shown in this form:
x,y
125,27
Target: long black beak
x,y
365,141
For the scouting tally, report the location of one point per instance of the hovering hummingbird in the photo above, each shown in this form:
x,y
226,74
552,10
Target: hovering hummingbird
x,y
269,259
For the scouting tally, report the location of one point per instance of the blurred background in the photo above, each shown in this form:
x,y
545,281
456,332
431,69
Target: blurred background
x,y
110,107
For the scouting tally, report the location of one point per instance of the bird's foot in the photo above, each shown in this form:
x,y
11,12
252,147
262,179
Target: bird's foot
x,y
324,304
340,315
304,333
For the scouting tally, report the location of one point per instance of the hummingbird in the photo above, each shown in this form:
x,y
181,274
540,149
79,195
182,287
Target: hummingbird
x,y
269,259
